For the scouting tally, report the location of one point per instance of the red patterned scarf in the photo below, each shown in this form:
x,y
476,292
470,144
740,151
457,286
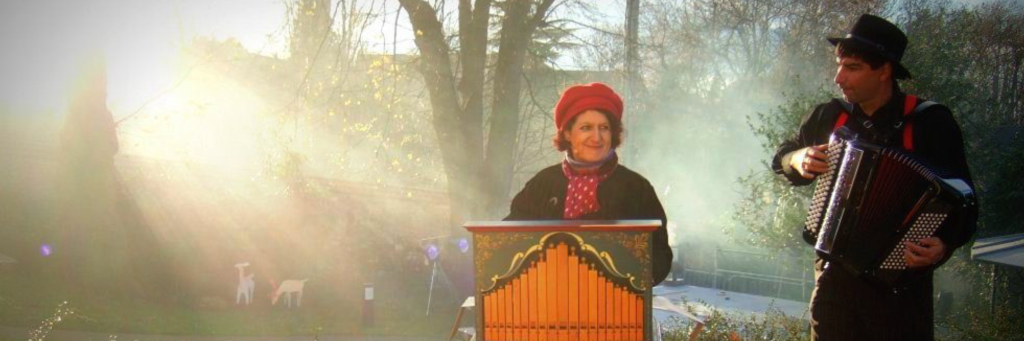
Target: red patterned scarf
x,y
581,196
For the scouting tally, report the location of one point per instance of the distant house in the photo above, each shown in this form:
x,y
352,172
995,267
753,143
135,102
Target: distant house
x,y
1005,253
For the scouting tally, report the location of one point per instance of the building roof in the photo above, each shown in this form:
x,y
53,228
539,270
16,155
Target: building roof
x,y
1006,250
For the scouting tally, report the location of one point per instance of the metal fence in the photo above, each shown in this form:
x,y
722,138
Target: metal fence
x,y
746,271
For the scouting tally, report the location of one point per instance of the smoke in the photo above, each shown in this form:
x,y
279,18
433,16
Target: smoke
x,y
693,149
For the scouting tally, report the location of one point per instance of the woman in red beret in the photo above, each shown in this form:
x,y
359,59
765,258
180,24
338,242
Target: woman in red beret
x,y
589,183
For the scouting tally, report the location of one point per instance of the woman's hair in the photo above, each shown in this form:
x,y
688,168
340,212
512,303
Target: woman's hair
x,y
562,144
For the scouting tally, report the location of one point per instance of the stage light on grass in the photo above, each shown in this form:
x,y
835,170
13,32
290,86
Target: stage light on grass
x,y
433,252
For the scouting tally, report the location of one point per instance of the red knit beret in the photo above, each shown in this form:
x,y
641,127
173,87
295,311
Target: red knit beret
x,y
579,98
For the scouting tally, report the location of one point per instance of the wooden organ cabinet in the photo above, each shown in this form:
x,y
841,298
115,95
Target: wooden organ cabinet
x,y
563,280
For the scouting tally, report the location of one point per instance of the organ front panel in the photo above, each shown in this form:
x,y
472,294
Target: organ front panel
x,y
563,282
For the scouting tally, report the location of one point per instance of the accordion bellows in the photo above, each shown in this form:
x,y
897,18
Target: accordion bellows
x,y
873,199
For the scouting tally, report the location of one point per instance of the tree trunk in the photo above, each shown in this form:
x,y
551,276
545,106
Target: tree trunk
x,y
478,183
1015,86
632,72
516,30
459,140
632,43
473,40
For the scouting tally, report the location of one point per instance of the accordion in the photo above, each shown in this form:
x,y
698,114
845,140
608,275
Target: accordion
x,y
872,200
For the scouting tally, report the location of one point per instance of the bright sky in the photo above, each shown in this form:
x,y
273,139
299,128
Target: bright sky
x,y
44,40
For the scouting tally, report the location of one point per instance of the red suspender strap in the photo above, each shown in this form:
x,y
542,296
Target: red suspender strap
x,y
841,121
908,129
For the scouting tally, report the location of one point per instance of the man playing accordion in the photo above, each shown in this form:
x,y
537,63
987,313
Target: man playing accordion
x,y
845,306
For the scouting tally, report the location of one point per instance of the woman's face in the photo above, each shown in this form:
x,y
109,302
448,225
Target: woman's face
x,y
590,136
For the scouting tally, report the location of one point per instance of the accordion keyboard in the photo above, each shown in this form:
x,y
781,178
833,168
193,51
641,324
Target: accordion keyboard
x,y
823,189
923,227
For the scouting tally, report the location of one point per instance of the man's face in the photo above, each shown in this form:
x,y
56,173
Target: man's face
x,y
858,81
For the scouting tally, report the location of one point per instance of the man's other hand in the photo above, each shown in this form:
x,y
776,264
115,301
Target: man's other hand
x,y
810,161
925,252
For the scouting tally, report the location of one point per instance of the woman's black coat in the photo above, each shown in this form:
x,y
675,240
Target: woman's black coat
x,y
624,195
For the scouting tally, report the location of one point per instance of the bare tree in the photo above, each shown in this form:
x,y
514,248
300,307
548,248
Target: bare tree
x,y
479,174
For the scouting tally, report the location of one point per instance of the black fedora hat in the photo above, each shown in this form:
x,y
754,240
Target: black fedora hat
x,y
881,36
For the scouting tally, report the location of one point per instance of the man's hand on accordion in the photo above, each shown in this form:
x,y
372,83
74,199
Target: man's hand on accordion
x,y
926,252
810,161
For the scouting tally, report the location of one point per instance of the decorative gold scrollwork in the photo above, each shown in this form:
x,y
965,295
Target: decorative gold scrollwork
x,y
606,260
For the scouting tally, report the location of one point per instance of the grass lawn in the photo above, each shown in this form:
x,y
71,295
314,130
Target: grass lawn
x,y
399,309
